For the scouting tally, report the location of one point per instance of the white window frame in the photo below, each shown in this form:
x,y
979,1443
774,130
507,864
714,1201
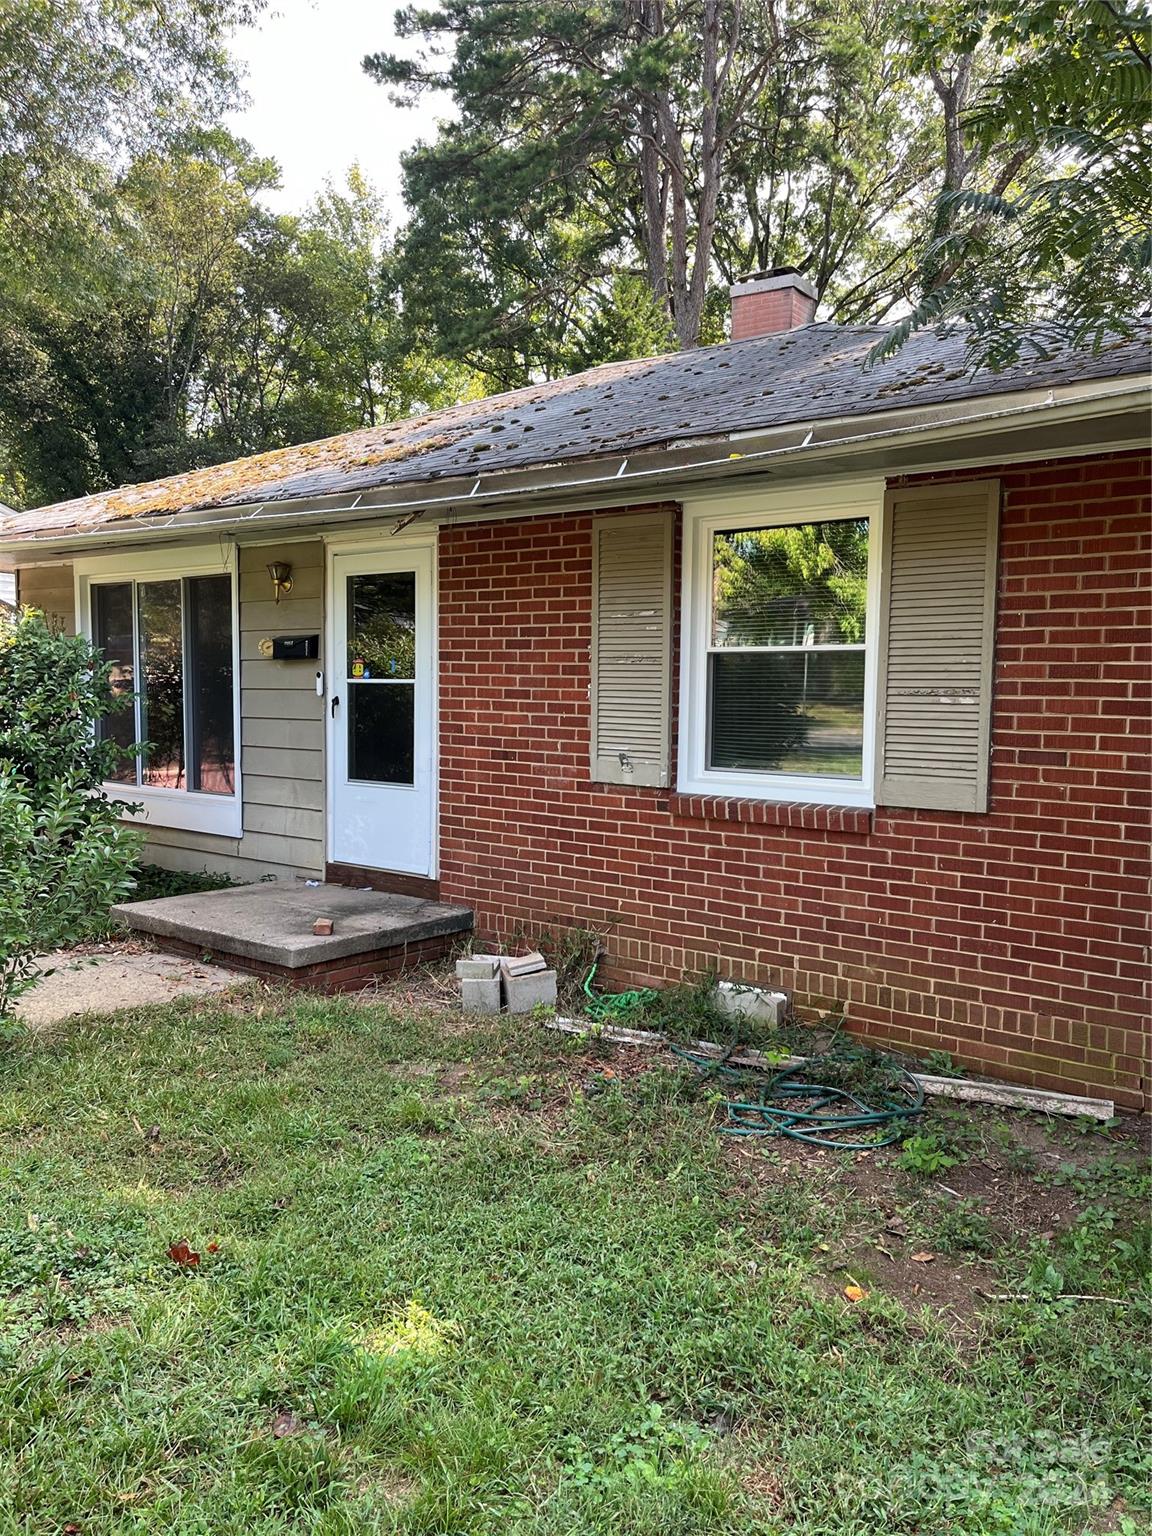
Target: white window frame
x,y
184,810
779,507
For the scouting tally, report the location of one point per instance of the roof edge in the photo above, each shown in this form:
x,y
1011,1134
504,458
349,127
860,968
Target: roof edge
x,y
616,475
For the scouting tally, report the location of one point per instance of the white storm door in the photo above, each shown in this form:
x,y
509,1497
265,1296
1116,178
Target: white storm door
x,y
381,711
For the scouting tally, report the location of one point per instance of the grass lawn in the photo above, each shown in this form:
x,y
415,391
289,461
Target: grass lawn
x,y
452,1279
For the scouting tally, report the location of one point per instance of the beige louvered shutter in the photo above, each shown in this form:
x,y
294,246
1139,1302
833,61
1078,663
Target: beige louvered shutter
x,y
631,647
937,618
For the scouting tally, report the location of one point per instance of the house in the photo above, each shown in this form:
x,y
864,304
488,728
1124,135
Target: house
x,y
7,578
750,658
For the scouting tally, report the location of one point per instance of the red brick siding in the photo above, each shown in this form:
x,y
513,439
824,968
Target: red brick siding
x,y
764,314
1015,940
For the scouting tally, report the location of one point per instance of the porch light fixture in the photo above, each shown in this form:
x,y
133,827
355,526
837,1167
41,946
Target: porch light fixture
x,y
281,574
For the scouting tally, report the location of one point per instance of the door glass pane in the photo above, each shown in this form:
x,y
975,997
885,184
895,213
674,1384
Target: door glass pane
x,y
211,766
382,625
112,635
806,585
381,732
794,712
162,682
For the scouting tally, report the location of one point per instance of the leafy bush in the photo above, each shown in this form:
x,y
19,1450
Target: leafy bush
x,y
65,855
53,690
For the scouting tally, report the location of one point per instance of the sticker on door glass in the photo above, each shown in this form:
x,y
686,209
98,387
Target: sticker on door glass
x,y
359,669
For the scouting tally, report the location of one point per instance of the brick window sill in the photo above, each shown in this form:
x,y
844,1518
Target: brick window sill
x,y
849,819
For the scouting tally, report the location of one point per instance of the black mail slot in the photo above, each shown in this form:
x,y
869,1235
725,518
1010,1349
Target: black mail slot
x,y
295,647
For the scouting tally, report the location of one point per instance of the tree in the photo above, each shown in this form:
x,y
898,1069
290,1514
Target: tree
x,y
671,144
209,329
84,86
65,855
1041,234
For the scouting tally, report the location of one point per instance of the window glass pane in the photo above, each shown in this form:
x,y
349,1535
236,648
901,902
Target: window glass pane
x,y
382,625
790,586
112,635
381,732
795,712
211,761
162,682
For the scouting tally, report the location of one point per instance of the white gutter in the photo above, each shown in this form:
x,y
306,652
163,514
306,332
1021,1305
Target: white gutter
x,y
734,462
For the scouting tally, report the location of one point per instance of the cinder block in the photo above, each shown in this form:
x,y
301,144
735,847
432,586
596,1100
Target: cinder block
x,y
477,967
523,993
480,994
523,965
752,1002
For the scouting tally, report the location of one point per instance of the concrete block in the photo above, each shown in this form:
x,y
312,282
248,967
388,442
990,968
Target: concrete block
x,y
523,965
480,994
523,993
752,1002
477,967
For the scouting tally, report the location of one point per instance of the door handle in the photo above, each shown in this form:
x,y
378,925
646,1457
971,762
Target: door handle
x,y
335,701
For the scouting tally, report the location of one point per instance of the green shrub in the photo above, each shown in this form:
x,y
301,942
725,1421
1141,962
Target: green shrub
x,y
53,690
65,855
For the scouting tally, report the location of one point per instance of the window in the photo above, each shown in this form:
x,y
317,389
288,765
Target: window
x,y
381,677
786,658
777,670
170,642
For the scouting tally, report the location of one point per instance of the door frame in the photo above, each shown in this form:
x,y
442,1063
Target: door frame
x,y
381,541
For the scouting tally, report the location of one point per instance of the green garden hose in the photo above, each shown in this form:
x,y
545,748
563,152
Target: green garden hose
x,y
819,1113
607,1007
785,1104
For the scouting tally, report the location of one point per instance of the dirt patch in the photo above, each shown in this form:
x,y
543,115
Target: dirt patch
x,y
933,1241
388,1487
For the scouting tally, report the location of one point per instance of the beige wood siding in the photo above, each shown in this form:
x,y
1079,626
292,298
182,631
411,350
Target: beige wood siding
x,y
281,717
49,588
631,647
936,636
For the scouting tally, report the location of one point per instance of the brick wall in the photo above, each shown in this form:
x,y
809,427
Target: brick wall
x,y
765,313
1015,940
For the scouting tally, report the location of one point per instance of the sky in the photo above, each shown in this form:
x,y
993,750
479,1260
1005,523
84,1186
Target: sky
x,y
314,109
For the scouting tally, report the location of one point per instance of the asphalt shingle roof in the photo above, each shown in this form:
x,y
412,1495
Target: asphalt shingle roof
x,y
813,373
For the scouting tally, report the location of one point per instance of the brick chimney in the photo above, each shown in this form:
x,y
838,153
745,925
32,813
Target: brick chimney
x,y
766,302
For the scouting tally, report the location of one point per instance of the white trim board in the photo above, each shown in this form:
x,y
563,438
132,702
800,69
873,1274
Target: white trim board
x,y
782,506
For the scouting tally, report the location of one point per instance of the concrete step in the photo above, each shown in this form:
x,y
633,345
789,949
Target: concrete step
x,y
267,928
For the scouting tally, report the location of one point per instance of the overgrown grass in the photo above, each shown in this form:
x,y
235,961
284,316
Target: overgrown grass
x,y
439,1292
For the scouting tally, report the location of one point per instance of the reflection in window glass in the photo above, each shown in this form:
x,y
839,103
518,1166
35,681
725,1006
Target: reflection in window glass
x,y
796,712
381,732
179,661
382,626
161,682
800,586
211,717
112,636
787,649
